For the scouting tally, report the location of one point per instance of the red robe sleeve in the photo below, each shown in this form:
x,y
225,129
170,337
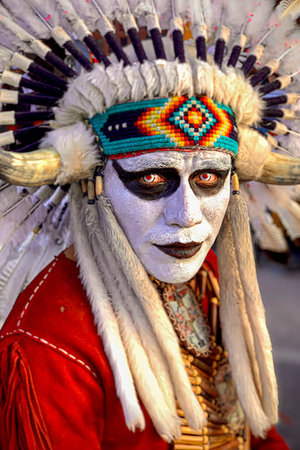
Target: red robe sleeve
x,y
57,388
273,441
47,401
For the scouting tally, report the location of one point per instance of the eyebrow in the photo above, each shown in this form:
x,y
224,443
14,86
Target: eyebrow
x,y
174,163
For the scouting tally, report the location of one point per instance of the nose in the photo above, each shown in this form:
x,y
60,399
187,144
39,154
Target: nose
x,y
183,208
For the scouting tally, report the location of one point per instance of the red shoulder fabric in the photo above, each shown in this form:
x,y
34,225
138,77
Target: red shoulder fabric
x,y
19,404
53,325
273,441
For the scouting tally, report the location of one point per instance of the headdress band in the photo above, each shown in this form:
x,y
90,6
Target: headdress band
x,y
166,123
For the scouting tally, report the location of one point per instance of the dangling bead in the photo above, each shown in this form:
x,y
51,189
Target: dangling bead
x,y
235,184
98,185
84,186
91,191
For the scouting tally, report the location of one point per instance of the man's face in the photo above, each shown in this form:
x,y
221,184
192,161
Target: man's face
x,y
170,206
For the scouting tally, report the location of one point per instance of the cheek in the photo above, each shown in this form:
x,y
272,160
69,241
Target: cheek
x,y
216,206
135,216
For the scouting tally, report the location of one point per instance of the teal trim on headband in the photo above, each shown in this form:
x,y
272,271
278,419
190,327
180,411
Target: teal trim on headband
x,y
168,123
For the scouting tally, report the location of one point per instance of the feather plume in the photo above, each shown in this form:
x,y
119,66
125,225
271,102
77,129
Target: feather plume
x,y
116,10
50,14
29,21
284,35
257,12
87,12
290,62
14,36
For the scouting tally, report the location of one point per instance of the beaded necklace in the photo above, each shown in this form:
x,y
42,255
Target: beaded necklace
x,y
206,363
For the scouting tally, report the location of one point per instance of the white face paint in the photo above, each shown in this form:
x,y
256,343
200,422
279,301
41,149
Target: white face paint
x,y
170,206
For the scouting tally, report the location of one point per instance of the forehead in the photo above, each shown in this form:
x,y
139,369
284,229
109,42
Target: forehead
x,y
182,161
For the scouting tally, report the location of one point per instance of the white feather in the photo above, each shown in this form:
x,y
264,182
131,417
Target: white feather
x,y
164,13
13,35
87,12
29,20
259,12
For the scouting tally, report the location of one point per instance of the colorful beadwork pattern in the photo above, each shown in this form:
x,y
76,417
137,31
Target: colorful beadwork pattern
x,y
166,123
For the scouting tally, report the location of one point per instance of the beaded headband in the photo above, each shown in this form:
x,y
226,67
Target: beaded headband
x,y
166,123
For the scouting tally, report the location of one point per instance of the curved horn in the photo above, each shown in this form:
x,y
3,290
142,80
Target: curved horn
x,y
30,169
280,169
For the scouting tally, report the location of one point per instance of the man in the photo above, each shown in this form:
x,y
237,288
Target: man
x,y
136,359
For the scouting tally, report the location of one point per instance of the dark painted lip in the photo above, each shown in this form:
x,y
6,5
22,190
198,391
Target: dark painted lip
x,y
179,250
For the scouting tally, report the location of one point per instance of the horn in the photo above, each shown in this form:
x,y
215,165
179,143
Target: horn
x,y
280,169
30,169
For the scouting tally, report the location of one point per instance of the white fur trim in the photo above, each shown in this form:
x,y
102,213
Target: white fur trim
x,y
185,80
232,310
116,76
136,81
253,152
168,77
105,319
77,149
151,77
254,307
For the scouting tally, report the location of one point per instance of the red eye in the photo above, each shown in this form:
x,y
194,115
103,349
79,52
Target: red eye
x,y
207,179
152,178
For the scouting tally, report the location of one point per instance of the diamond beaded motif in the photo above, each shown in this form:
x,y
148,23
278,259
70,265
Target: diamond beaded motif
x,y
174,123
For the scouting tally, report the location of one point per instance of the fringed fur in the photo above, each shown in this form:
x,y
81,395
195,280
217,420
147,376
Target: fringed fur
x,y
77,150
122,292
233,333
105,319
237,213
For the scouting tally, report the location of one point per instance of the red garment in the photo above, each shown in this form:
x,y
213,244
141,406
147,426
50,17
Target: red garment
x,y
52,327
57,389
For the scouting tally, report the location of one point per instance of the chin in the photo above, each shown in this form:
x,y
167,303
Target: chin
x,y
176,271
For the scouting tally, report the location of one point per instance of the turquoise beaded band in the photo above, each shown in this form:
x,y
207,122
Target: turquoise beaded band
x,y
166,123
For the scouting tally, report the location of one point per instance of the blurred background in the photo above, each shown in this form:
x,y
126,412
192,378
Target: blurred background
x,y
280,289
